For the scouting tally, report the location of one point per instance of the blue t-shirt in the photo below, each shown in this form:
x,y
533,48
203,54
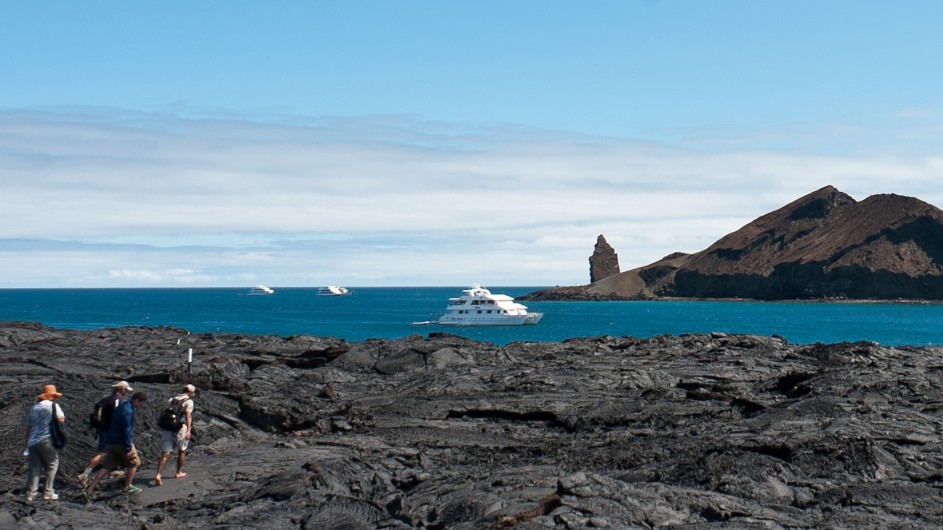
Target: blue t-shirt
x,y
38,420
121,428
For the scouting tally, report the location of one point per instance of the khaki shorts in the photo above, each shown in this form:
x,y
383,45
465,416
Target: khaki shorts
x,y
170,440
115,456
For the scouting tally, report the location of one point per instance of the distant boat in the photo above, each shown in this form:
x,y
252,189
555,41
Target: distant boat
x,y
332,290
261,289
478,307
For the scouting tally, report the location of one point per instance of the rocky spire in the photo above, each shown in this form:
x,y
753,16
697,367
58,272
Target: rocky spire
x,y
604,262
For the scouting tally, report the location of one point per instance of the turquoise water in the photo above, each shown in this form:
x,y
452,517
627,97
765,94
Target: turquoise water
x,y
389,312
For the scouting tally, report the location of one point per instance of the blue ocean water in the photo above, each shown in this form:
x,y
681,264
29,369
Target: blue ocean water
x,y
389,312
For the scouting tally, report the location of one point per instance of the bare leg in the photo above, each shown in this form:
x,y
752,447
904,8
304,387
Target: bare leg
x,y
130,476
93,463
98,476
181,456
93,466
160,467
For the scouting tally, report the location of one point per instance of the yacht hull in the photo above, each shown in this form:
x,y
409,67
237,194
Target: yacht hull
x,y
524,320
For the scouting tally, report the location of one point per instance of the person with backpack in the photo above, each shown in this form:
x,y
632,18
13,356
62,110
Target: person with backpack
x,y
119,446
41,455
176,426
99,420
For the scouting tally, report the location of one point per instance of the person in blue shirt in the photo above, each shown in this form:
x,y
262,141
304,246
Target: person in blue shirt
x,y
119,445
118,392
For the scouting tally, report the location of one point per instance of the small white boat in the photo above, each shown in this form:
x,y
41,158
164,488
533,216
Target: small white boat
x,y
332,290
478,307
261,289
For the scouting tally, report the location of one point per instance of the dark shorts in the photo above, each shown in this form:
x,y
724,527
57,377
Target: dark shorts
x,y
115,456
101,442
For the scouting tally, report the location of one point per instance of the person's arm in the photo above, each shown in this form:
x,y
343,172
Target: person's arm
x,y
127,433
189,422
29,427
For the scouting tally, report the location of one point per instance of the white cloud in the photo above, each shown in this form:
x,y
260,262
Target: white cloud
x,y
189,199
134,276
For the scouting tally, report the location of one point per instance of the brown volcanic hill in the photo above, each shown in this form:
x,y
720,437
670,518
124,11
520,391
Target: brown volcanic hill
x,y
823,245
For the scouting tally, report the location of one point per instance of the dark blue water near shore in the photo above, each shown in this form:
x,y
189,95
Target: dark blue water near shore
x,y
390,312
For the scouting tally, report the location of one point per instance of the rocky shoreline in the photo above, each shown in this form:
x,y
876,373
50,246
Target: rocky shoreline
x,y
442,432
582,294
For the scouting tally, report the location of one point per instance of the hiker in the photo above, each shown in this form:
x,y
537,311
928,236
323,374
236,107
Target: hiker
x,y
179,439
42,455
119,445
101,418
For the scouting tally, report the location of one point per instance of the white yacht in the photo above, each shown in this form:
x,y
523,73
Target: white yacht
x,y
261,289
478,307
332,290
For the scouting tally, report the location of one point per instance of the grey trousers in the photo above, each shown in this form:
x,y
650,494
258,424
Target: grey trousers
x,y
43,457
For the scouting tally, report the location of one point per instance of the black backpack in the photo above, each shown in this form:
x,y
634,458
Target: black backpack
x,y
100,417
174,416
58,434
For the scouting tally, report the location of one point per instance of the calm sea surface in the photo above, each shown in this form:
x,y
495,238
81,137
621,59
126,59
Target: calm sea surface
x,y
389,312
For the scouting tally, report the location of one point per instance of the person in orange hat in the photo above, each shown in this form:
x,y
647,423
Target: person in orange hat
x,y
42,456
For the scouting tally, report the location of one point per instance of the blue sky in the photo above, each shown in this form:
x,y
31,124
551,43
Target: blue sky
x,y
440,143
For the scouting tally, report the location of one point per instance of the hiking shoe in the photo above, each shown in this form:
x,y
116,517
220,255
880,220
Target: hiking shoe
x,y
30,497
132,489
87,495
51,496
83,480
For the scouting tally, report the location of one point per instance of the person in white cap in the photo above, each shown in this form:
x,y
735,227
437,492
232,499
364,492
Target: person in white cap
x,y
180,439
119,446
101,418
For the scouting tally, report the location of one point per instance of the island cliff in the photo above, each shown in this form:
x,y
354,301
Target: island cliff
x,y
824,245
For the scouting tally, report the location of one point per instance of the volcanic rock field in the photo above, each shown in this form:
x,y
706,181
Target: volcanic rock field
x,y
441,432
